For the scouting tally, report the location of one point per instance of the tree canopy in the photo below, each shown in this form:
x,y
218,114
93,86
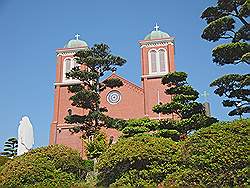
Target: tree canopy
x,y
10,148
191,113
215,156
235,88
183,101
228,20
94,63
139,161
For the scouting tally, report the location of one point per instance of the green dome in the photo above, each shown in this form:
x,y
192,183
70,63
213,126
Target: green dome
x,y
156,34
76,43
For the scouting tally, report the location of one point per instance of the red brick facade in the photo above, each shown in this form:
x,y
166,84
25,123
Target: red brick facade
x,y
133,101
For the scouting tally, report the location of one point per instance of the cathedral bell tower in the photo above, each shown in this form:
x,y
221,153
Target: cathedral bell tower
x,y
157,59
65,61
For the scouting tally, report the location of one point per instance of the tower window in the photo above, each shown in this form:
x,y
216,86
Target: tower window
x,y
153,61
157,61
68,64
162,59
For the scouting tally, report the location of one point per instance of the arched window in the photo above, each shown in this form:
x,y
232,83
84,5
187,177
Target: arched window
x,y
68,64
162,59
66,68
157,61
153,61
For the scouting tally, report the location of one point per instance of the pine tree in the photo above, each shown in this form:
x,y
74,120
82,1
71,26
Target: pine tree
x,y
191,114
96,61
228,20
10,148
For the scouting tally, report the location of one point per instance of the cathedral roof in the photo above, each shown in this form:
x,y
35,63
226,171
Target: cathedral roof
x,y
76,43
156,34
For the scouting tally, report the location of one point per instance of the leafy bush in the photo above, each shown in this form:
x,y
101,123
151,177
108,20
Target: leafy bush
x,y
138,161
130,131
115,123
173,134
215,156
3,160
143,122
96,147
55,165
120,124
174,129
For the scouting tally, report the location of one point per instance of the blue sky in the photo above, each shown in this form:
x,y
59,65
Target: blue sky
x,y
31,31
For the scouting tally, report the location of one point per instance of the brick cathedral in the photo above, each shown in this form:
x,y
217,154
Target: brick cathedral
x,y
126,102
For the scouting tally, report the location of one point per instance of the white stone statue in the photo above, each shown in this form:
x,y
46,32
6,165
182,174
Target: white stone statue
x,y
25,136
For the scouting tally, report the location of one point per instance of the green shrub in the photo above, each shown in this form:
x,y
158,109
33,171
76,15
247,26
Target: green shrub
x,y
55,165
173,134
215,156
173,129
143,122
130,131
138,161
96,147
116,123
3,160
88,165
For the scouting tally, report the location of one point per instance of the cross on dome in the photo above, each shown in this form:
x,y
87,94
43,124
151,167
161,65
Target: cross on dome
x,y
157,27
77,36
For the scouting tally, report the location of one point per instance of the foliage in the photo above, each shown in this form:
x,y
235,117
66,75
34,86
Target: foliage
x,y
232,53
173,134
229,20
167,128
216,156
10,148
130,131
183,102
138,161
191,113
96,62
121,124
222,21
143,122
96,147
3,160
116,123
236,88
216,29
55,165
137,126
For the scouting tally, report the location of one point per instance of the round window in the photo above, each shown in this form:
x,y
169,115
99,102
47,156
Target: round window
x,y
114,97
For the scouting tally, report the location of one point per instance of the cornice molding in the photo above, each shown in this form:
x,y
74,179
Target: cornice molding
x,y
157,42
159,75
67,83
68,51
